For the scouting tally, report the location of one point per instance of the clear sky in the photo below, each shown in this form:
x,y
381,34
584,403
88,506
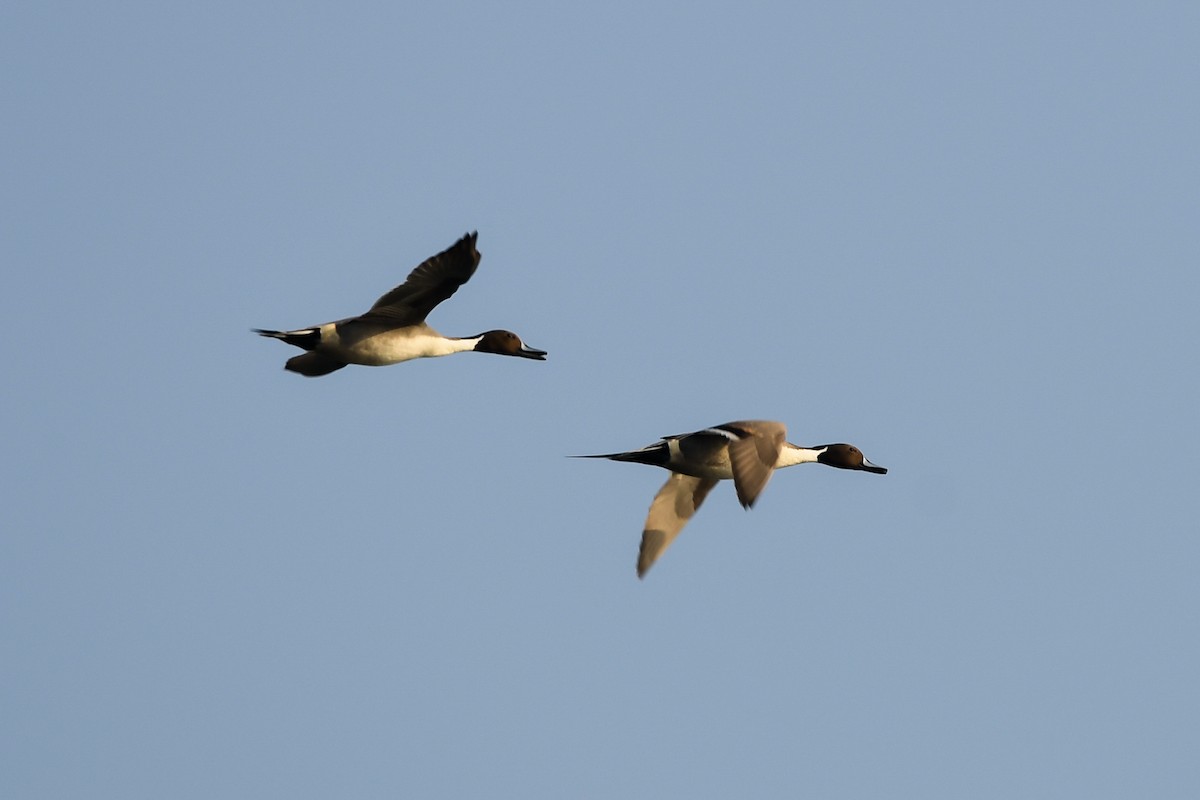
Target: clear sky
x,y
960,236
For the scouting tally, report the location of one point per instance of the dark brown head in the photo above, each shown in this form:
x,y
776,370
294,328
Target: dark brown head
x,y
846,456
507,343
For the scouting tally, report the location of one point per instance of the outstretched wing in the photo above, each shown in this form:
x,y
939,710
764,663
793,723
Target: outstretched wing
x,y
753,454
433,281
673,506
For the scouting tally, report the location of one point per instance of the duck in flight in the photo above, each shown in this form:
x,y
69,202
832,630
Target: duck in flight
x,y
747,452
394,329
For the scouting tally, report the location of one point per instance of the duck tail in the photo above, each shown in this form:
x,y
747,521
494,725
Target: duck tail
x,y
305,339
655,455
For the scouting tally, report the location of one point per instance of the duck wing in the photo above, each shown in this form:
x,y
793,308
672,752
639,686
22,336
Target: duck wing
x,y
753,452
434,280
673,506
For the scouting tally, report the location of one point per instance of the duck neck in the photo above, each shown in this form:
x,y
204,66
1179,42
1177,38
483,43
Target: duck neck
x,y
792,454
462,344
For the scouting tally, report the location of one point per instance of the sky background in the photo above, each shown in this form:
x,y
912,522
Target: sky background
x,y
960,236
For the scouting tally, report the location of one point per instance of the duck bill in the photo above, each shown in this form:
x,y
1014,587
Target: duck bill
x,y
530,352
869,467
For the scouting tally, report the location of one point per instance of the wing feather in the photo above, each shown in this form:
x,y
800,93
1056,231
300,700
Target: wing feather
x,y
753,457
673,506
432,281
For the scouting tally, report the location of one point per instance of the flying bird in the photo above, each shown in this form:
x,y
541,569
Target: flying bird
x,y
394,329
747,452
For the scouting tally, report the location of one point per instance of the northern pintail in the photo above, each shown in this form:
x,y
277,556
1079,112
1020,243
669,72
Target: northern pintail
x,y
394,329
746,452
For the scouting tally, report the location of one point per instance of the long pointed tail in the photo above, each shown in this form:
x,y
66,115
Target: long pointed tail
x,y
305,339
656,455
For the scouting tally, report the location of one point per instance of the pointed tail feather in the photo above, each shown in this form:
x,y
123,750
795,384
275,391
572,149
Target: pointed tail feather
x,y
305,339
655,455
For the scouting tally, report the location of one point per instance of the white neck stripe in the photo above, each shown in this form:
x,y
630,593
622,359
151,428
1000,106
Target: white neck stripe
x,y
791,455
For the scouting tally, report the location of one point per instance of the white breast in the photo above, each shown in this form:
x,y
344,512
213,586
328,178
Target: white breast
x,y
394,346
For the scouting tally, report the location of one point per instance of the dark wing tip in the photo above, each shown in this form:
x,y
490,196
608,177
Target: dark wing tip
x,y
653,543
470,239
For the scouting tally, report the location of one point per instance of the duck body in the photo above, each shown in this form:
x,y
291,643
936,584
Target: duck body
x,y
746,452
394,329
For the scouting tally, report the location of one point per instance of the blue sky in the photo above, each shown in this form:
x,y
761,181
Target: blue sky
x,y
960,237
